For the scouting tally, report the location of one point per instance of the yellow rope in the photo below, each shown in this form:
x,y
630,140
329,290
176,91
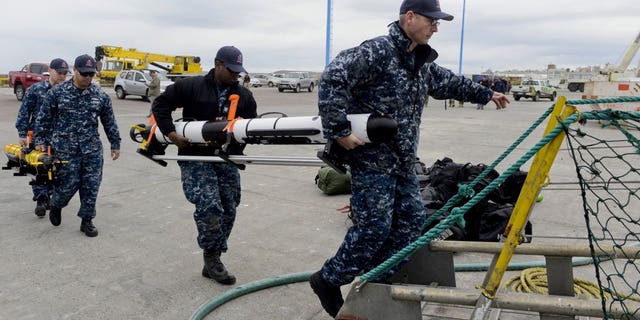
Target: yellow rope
x,y
546,182
579,114
534,280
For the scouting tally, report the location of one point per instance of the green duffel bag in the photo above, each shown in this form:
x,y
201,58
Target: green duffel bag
x,y
333,182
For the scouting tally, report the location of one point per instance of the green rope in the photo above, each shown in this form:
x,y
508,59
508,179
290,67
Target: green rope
x,y
613,116
603,100
466,190
458,212
609,115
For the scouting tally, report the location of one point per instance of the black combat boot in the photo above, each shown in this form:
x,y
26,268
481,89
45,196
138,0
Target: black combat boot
x,y
330,295
214,269
88,228
55,216
42,205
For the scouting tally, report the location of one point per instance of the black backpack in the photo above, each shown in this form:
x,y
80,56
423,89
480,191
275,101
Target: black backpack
x,y
486,220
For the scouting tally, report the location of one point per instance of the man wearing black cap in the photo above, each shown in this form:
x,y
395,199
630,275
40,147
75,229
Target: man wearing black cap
x,y
68,122
214,188
389,75
25,122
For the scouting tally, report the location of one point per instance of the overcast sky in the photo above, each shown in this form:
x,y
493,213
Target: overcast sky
x,y
279,34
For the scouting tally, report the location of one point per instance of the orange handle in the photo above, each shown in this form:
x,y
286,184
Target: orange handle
x,y
233,99
152,131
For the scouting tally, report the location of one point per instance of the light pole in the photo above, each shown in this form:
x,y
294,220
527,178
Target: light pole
x,y
464,7
327,45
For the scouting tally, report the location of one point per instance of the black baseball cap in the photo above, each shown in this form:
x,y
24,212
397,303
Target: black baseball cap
x,y
85,63
427,8
59,65
231,57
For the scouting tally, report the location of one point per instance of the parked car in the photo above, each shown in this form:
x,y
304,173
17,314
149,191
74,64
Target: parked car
x,y
261,79
274,79
296,81
31,73
134,83
534,89
255,82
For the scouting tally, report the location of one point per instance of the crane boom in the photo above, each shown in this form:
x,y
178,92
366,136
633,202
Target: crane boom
x,y
113,59
633,49
626,60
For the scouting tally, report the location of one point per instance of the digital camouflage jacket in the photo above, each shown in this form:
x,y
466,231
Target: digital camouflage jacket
x,y
380,77
68,120
31,106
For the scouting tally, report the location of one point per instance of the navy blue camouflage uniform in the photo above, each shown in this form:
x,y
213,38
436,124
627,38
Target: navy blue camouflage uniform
x,y
382,78
214,188
68,122
31,103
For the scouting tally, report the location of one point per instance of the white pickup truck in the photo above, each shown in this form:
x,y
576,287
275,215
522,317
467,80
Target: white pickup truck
x,y
534,89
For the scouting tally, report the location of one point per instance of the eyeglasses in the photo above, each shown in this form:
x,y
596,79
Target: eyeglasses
x,y
87,74
433,22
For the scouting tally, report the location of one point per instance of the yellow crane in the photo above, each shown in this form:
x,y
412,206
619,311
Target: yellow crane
x,y
113,59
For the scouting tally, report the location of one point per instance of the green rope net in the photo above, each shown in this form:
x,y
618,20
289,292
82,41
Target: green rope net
x,y
608,169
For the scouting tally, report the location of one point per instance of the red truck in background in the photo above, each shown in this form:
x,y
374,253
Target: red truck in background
x,y
21,80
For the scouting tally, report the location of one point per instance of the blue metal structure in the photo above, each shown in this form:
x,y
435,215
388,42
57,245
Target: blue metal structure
x,y
327,58
464,7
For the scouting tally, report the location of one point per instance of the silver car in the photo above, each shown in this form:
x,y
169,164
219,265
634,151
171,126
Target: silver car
x,y
274,79
134,83
296,81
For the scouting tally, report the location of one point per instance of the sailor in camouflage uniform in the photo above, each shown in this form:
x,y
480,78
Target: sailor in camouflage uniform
x,y
389,75
214,188
68,122
25,122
